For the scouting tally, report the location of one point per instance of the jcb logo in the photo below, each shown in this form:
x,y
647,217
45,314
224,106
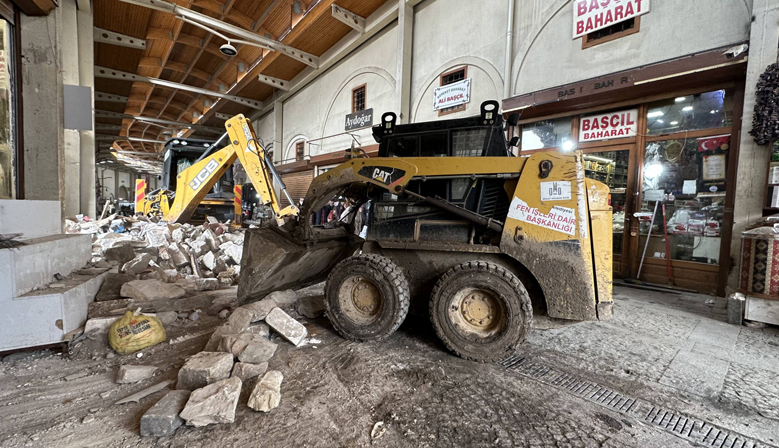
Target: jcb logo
x,y
204,174
381,175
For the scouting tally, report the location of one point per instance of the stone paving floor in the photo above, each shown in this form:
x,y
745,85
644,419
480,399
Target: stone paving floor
x,y
677,348
669,350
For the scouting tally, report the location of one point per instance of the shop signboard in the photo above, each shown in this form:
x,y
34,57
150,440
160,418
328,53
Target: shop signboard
x,y
620,124
359,119
594,15
452,94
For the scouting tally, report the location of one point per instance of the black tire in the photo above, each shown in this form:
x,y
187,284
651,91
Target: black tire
x,y
380,315
481,311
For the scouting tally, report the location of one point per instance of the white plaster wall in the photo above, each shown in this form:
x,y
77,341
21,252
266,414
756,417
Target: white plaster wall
x,y
264,129
125,180
107,179
547,56
452,33
319,110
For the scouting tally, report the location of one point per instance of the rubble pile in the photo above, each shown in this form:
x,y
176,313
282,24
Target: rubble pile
x,y
209,383
193,258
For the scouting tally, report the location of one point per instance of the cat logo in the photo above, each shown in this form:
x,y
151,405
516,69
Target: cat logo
x,y
203,175
381,175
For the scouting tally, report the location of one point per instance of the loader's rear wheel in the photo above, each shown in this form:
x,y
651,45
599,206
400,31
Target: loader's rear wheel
x,y
366,297
481,311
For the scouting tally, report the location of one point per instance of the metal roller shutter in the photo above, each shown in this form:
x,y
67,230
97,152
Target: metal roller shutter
x,y
297,185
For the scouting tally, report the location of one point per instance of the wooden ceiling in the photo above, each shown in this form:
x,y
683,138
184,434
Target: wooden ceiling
x,y
183,53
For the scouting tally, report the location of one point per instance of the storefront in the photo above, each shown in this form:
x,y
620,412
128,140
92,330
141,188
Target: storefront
x,y
660,137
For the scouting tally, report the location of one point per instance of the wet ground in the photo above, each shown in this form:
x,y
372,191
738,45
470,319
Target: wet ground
x,y
664,349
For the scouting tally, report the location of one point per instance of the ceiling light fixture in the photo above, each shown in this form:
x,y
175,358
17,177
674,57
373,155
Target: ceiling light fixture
x,y
680,99
654,114
687,108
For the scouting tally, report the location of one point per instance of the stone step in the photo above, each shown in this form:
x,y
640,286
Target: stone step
x,y
44,316
32,219
24,268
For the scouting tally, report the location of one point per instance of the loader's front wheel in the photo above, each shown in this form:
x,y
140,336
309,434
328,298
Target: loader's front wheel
x,y
481,311
366,297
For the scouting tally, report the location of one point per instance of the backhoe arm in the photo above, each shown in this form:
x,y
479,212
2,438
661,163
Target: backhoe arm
x,y
260,171
194,183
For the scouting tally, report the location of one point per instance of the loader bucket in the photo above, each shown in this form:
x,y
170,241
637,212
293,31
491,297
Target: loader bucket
x,y
273,261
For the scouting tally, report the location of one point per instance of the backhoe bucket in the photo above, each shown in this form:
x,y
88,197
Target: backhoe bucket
x,y
272,261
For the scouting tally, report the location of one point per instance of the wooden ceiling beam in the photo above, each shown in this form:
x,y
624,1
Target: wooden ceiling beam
x,y
238,17
149,62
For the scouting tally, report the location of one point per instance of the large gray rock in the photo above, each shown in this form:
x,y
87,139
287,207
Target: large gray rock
x,y
204,368
209,261
210,239
286,300
121,253
177,255
267,393
238,322
151,290
287,327
199,247
246,371
234,251
260,309
112,286
311,307
257,351
137,264
133,374
214,403
162,419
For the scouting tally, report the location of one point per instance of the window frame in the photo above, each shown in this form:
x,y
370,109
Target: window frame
x,y
364,87
587,42
454,109
300,150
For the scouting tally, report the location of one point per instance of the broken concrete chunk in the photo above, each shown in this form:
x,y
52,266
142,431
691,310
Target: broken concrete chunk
x,y
151,290
133,374
234,251
198,247
121,253
257,351
204,368
238,322
99,324
167,317
209,260
112,286
162,419
246,371
289,328
285,300
260,309
207,284
177,235
137,264
177,256
136,397
311,307
210,239
267,393
214,403
260,329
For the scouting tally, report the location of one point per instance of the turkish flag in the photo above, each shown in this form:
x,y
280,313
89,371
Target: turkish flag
x,y
712,143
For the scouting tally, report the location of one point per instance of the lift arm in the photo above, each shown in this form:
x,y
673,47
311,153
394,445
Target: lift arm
x,y
194,183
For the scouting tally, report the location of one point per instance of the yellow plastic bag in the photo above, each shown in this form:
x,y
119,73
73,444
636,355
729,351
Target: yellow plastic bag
x,y
132,333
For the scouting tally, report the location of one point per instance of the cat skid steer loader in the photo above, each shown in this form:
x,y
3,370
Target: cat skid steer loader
x,y
454,221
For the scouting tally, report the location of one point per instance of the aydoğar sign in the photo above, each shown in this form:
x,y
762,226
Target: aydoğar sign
x,y
594,15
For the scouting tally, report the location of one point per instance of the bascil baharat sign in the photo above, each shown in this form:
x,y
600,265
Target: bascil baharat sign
x,y
594,15
618,124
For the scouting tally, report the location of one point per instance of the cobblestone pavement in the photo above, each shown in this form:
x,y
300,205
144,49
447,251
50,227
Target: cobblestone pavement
x,y
335,391
678,350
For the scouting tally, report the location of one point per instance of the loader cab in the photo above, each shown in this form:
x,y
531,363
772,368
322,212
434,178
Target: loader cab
x,y
180,154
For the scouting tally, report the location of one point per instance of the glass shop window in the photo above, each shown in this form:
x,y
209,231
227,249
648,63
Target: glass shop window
x,y
687,176
434,144
546,134
690,113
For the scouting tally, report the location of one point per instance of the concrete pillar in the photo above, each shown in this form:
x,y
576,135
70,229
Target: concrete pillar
x,y
403,74
68,16
86,78
751,171
42,107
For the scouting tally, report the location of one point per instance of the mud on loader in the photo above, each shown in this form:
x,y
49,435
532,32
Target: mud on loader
x,y
455,221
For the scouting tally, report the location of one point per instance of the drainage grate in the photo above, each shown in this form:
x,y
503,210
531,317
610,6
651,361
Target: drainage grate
x,y
688,428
